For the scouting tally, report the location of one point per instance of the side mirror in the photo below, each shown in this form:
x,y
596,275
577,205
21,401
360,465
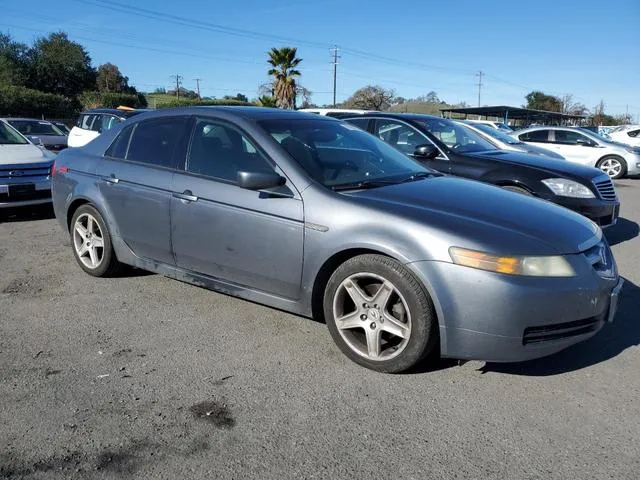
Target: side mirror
x,y
36,141
583,142
426,152
259,180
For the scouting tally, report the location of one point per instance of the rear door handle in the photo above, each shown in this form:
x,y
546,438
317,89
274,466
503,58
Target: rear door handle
x,y
111,179
187,196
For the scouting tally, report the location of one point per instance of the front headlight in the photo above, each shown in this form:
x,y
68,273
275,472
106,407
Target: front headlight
x,y
568,188
547,266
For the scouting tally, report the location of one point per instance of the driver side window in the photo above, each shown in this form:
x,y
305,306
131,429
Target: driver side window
x,y
400,136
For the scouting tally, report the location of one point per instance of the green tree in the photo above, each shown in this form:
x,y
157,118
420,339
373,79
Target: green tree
x,y
266,101
110,79
60,65
371,97
14,61
538,100
284,73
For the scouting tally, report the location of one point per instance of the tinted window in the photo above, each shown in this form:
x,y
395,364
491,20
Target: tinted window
x,y
569,138
399,135
633,133
455,136
535,136
118,148
155,141
219,150
359,122
361,158
104,122
86,121
8,136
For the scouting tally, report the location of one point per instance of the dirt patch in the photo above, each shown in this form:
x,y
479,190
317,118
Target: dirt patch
x,y
213,412
29,285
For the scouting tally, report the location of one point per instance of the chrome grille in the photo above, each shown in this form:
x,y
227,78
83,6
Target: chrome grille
x,y
605,188
24,172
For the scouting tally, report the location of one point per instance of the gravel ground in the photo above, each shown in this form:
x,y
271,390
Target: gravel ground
x,y
146,377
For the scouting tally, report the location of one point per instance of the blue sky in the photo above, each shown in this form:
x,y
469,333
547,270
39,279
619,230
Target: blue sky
x,y
587,48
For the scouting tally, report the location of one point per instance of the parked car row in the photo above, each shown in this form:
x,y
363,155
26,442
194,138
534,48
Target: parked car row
x,y
316,216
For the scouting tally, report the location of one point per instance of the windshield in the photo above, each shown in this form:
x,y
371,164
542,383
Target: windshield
x,y
456,137
35,127
8,136
497,134
335,153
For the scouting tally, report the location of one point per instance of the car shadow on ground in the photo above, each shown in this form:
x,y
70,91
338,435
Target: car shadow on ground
x,y
622,231
27,214
608,343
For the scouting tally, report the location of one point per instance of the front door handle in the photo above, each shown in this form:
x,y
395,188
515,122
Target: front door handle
x,y
111,179
187,196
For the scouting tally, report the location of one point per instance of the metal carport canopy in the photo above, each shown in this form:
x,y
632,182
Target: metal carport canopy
x,y
512,113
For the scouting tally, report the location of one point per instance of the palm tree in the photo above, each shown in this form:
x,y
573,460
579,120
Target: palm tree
x,y
284,73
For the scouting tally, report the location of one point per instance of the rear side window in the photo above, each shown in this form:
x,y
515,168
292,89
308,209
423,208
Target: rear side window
x,y
570,138
119,147
633,133
155,141
535,136
359,122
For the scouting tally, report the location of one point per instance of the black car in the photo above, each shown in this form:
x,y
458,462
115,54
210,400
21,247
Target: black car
x,y
453,149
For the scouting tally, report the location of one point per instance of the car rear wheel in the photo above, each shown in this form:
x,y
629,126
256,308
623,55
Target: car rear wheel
x,y
379,314
91,243
613,166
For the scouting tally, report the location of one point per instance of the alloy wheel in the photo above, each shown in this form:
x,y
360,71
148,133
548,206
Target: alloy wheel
x,y
88,241
611,167
372,316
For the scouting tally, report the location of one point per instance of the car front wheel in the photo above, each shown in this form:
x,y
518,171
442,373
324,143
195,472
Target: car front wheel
x,y
613,166
379,314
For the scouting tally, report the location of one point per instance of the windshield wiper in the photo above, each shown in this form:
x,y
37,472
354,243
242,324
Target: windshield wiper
x,y
365,184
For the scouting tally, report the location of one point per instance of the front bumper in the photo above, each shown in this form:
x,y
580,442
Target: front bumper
x,y
603,212
505,318
633,164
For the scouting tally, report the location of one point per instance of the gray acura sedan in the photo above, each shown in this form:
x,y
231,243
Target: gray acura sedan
x,y
314,216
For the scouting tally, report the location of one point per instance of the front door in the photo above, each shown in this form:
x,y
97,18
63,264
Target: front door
x,y
406,139
135,179
226,232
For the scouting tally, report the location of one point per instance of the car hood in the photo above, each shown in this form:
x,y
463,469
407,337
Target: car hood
x,y
21,154
534,149
476,215
543,163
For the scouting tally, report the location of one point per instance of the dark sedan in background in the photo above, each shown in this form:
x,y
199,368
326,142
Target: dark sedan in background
x,y
454,149
40,132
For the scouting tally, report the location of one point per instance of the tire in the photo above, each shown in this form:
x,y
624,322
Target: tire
x,y
89,234
613,165
515,189
403,326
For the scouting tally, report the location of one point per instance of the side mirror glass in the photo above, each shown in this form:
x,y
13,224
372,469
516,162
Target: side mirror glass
x,y
259,180
36,140
426,152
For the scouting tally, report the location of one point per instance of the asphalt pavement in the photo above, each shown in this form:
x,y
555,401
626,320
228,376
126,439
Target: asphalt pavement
x,y
146,377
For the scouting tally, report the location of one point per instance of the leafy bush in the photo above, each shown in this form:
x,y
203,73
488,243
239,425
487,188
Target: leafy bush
x,y
22,101
191,103
112,100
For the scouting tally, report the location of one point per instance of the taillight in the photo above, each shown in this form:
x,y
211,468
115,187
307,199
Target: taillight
x,y
60,169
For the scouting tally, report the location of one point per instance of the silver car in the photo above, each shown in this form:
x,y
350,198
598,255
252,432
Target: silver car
x,y
40,132
316,217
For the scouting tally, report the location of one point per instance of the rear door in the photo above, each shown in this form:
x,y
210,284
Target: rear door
x,y
81,133
246,237
135,181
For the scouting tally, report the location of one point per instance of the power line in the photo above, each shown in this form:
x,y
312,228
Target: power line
x,y
335,72
479,85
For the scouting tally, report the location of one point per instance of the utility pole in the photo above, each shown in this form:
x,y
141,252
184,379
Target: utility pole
x,y
198,86
479,85
335,72
178,82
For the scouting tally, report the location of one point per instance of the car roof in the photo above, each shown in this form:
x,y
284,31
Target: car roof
x,y
25,119
245,112
113,111
401,116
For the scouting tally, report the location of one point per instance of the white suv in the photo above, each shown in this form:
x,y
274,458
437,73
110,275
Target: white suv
x,y
585,147
629,134
92,123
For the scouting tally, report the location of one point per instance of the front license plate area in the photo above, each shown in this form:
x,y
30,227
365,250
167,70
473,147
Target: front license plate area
x,y
24,190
